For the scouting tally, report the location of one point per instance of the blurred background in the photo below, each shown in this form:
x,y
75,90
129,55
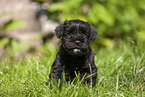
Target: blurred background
x,y
28,25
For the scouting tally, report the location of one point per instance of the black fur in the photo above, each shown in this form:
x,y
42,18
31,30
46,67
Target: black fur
x,y
75,55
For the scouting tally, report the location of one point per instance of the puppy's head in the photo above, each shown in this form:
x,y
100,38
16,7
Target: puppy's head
x,y
75,36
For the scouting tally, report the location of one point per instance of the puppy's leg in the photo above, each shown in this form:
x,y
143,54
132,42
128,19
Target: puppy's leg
x,y
90,75
57,71
93,73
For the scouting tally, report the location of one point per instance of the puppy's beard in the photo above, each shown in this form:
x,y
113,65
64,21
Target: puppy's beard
x,y
76,51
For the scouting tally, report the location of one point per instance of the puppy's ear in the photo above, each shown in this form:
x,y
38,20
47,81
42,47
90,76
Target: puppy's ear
x,y
59,30
93,33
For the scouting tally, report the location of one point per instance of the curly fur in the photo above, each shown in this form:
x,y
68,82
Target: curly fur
x,y
75,55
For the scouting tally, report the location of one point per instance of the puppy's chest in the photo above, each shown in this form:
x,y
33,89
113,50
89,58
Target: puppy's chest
x,y
75,67
73,64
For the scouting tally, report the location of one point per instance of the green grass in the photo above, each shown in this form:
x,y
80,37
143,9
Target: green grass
x,y
121,72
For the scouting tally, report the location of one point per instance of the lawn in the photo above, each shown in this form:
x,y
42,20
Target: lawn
x,y
121,72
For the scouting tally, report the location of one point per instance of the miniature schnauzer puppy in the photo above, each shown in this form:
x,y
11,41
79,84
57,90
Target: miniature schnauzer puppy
x,y
75,56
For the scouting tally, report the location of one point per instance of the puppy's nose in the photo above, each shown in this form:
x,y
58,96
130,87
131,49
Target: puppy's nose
x,y
77,41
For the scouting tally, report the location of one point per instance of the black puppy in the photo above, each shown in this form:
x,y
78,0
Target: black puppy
x,y
75,56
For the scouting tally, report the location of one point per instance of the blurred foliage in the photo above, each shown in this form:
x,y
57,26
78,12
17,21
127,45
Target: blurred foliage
x,y
4,41
17,46
13,24
114,19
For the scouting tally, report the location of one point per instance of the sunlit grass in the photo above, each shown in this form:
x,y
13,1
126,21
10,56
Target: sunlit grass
x,y
121,72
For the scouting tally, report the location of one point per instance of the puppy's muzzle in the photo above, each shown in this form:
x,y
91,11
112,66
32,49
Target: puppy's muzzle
x,y
76,51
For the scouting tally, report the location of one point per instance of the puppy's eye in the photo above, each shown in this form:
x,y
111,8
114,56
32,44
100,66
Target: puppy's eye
x,y
70,33
67,32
